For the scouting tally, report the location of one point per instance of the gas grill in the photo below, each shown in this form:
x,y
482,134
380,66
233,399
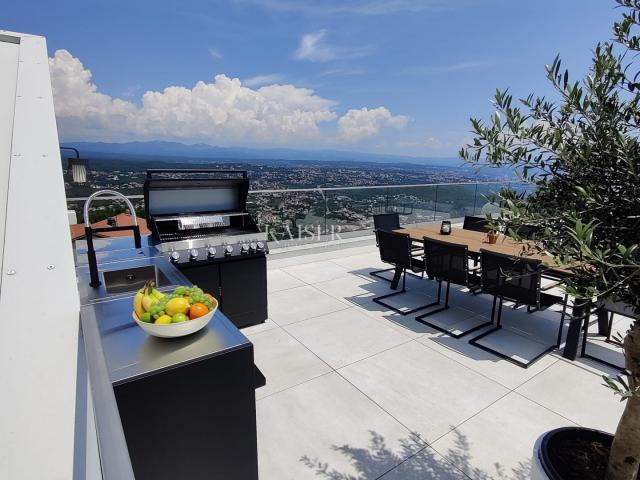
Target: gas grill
x,y
198,220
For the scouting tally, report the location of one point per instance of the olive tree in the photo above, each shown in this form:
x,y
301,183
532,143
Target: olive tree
x,y
580,148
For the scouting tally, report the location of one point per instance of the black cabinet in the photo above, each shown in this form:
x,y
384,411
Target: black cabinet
x,y
193,422
207,277
244,290
240,284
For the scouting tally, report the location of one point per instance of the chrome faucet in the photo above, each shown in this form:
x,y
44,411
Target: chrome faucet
x,y
89,231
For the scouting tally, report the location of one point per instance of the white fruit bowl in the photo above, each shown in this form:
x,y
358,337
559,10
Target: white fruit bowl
x,y
173,330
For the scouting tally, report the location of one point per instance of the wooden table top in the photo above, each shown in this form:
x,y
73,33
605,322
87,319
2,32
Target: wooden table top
x,y
474,241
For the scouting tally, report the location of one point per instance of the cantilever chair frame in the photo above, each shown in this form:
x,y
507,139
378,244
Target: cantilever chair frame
x,y
400,256
387,227
440,276
498,299
611,310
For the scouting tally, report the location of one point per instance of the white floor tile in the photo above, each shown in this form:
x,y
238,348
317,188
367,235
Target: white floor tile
x,y
346,336
414,384
354,289
426,465
498,442
261,327
280,280
328,425
284,361
485,363
301,303
317,272
576,394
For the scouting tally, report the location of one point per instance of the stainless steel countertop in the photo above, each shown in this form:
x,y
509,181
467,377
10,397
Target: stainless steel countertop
x,y
88,294
131,354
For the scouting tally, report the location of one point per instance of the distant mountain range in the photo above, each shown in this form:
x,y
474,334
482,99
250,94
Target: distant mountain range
x,y
158,150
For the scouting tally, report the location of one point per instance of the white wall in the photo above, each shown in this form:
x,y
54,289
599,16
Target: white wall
x,y
9,50
39,307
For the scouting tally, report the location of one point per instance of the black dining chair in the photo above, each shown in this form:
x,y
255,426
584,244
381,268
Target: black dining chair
x,y
387,222
611,307
395,249
477,224
449,262
519,280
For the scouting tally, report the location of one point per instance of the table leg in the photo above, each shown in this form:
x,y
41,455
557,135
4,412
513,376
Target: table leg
x,y
603,322
578,314
396,278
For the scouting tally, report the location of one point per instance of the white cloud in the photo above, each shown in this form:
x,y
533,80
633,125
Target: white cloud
x,y
259,80
353,7
222,111
215,53
356,125
429,142
314,48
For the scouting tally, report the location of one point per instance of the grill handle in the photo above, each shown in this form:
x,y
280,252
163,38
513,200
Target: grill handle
x,y
152,171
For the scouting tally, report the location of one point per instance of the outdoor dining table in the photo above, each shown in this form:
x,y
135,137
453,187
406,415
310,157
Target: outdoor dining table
x,y
476,241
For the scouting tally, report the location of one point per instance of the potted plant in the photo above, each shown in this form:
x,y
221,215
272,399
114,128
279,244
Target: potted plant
x,y
581,151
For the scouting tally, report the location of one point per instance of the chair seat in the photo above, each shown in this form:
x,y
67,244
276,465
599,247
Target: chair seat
x,y
418,264
547,300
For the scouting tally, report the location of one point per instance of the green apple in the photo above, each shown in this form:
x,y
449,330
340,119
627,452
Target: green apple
x,y
179,318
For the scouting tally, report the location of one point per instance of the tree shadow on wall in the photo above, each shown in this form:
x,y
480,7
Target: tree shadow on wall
x,y
413,460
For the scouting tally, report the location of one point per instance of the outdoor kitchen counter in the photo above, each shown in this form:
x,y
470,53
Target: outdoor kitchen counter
x,y
131,354
196,391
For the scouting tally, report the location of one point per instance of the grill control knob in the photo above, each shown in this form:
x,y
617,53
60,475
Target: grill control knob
x,y
245,247
175,256
211,251
193,253
260,246
253,246
228,250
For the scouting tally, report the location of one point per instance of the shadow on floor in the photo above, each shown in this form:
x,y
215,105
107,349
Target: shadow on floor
x,y
377,460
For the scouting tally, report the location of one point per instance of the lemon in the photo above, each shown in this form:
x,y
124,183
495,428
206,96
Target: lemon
x,y
176,305
163,320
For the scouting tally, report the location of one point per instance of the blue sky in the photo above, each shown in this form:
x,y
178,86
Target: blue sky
x,y
393,76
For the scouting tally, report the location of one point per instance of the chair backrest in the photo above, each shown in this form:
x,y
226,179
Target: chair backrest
x,y
514,278
395,248
447,261
477,224
386,221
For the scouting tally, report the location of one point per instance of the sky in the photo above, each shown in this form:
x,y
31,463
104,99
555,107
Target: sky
x,y
386,76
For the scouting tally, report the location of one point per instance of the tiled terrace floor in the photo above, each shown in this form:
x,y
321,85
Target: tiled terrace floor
x,y
357,392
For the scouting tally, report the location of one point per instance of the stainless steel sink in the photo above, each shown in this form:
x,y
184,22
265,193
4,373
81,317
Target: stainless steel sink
x,y
132,279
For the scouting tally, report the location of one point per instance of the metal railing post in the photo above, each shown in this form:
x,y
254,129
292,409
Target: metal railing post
x,y
435,205
475,200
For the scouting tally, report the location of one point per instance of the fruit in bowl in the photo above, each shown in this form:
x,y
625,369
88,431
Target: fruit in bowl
x,y
184,311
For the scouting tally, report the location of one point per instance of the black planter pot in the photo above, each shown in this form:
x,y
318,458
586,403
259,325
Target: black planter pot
x,y
555,454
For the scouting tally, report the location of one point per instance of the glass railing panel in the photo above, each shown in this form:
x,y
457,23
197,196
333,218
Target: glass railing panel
x,y
319,214
294,215
455,201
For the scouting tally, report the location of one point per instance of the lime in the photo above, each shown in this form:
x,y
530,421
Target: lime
x,y
146,317
179,318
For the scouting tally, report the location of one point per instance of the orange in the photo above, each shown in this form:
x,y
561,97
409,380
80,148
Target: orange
x,y
198,310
